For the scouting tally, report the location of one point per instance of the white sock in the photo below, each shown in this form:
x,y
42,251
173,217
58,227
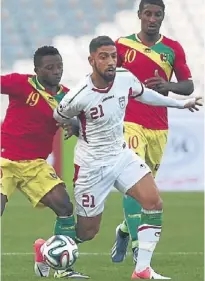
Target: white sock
x,y
148,236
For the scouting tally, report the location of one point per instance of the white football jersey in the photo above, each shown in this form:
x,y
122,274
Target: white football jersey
x,y
101,114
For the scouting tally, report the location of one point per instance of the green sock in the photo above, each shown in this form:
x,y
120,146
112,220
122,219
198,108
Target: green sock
x,y
65,226
132,213
149,234
151,217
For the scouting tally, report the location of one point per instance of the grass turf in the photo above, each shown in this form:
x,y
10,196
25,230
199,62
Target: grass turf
x,y
178,255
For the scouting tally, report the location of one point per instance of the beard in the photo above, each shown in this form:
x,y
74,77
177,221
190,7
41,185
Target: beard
x,y
107,77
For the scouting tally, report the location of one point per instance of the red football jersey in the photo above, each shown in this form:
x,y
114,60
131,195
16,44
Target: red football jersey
x,y
166,56
29,127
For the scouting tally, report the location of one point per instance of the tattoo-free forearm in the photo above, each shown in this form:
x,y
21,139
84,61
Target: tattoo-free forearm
x,y
185,88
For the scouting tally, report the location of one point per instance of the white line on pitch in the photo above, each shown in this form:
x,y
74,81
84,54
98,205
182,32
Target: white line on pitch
x,y
107,254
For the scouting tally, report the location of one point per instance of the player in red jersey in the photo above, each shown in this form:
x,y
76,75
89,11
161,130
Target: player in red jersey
x,y
153,58
26,141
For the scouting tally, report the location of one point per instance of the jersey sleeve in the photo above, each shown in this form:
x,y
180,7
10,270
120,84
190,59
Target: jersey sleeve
x,y
71,105
11,84
181,68
119,56
136,87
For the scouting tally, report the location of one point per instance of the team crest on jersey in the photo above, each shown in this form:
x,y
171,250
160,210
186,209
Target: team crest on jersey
x,y
164,57
122,102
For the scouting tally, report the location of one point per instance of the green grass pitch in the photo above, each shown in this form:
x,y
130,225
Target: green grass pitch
x,y
179,253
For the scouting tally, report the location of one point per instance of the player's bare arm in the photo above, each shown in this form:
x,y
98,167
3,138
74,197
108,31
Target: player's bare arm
x,y
184,84
159,84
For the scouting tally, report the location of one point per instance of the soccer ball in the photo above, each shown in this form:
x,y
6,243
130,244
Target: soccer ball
x,y
60,252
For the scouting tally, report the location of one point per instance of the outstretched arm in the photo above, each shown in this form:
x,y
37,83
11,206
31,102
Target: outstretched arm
x,y
149,96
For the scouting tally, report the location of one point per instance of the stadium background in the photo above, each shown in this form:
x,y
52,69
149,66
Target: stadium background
x,y
69,25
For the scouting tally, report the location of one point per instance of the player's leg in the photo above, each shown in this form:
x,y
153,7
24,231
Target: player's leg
x,y
43,187
92,186
58,200
137,181
136,140
90,191
145,191
9,180
156,143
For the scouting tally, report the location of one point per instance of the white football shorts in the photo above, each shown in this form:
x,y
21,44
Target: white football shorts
x,y
93,184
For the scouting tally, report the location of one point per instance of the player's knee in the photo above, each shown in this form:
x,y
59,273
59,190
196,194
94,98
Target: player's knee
x,y
153,204
59,201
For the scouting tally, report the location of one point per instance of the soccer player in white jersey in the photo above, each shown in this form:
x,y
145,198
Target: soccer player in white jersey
x,y
103,159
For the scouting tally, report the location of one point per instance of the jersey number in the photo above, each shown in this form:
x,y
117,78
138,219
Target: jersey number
x,y
130,55
96,112
133,142
33,99
88,201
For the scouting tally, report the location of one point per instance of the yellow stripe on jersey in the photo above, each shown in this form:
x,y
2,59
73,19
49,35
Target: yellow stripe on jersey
x,y
154,56
47,97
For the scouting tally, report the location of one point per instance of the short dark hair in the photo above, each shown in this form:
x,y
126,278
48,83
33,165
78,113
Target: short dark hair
x,y
42,52
99,42
151,2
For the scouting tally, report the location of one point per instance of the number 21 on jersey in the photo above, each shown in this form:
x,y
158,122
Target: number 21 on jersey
x,y
96,112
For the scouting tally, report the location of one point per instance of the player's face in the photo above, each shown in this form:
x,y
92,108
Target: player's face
x,y
104,62
51,69
151,18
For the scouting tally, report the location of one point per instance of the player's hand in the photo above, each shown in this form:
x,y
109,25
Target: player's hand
x,y
68,132
157,83
193,104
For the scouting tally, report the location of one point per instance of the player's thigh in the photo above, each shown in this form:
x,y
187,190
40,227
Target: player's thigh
x,y
92,186
145,191
156,143
135,138
39,179
9,176
131,169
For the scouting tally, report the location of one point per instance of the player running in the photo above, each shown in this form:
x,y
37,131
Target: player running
x,y
102,157
26,141
152,58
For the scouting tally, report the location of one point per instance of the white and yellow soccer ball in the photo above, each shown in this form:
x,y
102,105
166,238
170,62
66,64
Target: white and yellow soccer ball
x,y
60,252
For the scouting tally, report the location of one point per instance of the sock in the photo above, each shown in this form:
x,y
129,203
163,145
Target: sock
x,y
132,213
148,235
65,226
